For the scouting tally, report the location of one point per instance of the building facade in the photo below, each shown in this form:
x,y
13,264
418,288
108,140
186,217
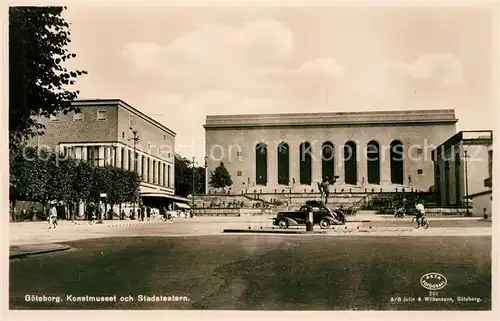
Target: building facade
x,y
463,167
295,151
111,132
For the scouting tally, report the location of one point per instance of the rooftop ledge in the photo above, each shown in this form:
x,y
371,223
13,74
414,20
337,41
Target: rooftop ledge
x,y
341,118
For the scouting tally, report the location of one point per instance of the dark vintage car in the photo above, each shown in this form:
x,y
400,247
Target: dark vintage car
x,y
322,216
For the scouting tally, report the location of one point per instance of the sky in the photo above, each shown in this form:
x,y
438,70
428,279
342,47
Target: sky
x,y
180,63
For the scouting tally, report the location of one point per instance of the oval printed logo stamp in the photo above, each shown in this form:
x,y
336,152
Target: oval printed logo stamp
x,y
433,281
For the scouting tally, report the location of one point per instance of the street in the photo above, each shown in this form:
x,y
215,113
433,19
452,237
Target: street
x,y
361,271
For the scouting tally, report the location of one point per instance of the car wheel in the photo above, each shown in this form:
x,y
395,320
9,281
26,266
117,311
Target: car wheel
x,y
324,223
282,223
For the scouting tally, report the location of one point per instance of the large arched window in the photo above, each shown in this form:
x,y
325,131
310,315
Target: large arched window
x,y
261,164
327,161
446,183
397,162
350,163
305,160
373,162
458,167
283,164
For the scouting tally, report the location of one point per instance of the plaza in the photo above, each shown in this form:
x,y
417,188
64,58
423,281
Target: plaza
x,y
191,258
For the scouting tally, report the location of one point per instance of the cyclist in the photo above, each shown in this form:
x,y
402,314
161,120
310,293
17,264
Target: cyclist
x,y
420,211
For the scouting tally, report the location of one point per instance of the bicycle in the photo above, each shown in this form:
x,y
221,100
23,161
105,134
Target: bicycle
x,y
422,222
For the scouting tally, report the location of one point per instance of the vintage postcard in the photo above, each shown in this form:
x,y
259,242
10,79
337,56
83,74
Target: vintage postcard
x,y
214,157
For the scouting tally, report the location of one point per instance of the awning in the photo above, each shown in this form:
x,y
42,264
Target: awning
x,y
182,205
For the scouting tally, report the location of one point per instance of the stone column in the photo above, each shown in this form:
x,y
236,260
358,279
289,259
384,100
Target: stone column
x,y
294,165
385,164
125,158
339,163
316,164
169,175
78,152
160,174
118,157
272,167
149,169
362,165
115,156
109,155
85,150
139,165
101,155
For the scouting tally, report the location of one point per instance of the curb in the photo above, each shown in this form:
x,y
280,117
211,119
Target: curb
x,y
30,253
133,224
272,231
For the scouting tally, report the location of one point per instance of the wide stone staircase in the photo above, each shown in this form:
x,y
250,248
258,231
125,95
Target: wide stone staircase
x,y
352,199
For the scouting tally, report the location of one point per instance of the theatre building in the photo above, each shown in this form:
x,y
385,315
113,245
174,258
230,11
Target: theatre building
x,y
103,134
292,152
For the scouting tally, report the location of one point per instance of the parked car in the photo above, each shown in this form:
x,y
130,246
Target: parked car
x,y
322,215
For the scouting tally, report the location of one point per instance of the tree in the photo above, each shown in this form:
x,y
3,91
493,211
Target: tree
x,y
28,175
220,178
38,79
184,177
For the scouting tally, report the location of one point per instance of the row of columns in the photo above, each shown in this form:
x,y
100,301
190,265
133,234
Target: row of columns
x,y
150,170
316,164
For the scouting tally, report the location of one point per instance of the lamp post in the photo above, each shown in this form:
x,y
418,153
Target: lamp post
x,y
466,183
206,174
193,186
135,140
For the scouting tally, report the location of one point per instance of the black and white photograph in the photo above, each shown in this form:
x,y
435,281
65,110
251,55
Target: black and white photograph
x,y
251,157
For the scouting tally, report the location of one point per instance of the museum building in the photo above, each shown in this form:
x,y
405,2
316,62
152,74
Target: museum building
x,y
293,152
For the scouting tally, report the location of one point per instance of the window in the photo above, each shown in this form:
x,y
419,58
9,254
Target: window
x,y
123,135
419,151
165,137
131,120
240,173
420,171
78,116
239,154
53,118
101,115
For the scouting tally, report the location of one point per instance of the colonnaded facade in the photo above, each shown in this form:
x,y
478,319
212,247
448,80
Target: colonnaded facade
x,y
277,152
112,132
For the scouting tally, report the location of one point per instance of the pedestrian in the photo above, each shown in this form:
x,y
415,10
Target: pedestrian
x,y
143,213
73,214
52,216
148,212
92,214
122,214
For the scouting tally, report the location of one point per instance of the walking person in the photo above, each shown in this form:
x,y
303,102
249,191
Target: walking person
x,y
148,212
52,217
